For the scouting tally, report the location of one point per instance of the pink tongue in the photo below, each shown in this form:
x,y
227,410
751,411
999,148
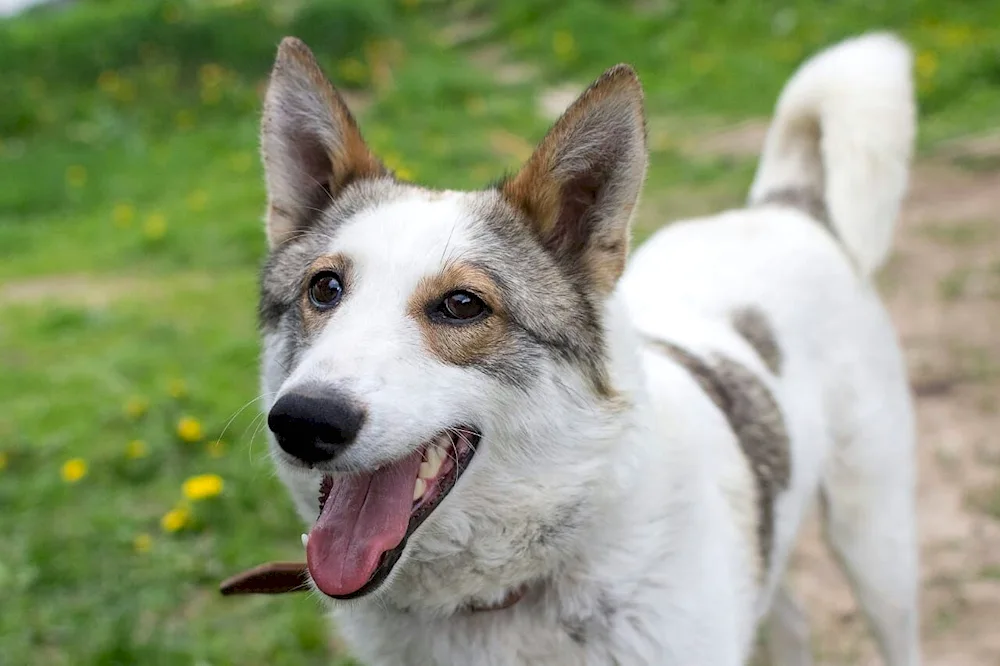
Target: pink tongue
x,y
364,516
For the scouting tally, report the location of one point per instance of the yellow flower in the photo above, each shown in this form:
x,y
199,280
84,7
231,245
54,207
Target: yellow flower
x,y
136,407
36,86
155,226
126,91
176,519
115,86
196,200
73,470
211,95
483,171
956,35
189,429
177,388
660,140
4,459
241,162
123,214
76,176
563,45
392,160
926,65
172,14
395,162
703,63
217,448
202,487
353,70
109,82
475,106
786,51
210,75
142,543
136,449
184,119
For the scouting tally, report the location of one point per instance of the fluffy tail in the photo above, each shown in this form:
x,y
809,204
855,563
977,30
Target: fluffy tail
x,y
840,143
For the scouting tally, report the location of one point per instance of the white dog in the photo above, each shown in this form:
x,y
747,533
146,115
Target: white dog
x,y
512,448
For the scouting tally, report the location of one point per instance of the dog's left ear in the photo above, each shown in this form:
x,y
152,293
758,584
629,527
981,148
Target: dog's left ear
x,y
580,186
311,145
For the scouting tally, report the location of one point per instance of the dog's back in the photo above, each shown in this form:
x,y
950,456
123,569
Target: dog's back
x,y
772,311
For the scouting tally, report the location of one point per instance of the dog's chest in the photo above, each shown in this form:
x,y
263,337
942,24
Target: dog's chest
x,y
508,637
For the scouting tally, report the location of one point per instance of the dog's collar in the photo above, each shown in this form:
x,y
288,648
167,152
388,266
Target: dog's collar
x,y
284,577
269,578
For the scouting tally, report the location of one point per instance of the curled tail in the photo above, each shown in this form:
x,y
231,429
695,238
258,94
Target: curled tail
x,y
840,143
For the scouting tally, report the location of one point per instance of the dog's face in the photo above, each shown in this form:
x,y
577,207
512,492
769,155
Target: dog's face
x,y
436,363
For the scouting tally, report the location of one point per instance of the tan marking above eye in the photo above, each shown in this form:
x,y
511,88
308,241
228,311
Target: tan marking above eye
x,y
468,343
313,319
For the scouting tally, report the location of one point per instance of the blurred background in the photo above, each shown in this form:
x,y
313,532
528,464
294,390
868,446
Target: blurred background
x,y
133,470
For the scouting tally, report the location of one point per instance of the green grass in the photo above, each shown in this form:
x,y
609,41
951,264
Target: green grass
x,y
130,235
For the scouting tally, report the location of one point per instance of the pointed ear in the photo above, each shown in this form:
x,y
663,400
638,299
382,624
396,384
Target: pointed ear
x,y
310,143
579,188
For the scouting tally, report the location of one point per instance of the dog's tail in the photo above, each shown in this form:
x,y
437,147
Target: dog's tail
x,y
840,143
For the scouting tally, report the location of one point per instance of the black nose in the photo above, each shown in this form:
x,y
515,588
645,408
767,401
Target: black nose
x,y
315,425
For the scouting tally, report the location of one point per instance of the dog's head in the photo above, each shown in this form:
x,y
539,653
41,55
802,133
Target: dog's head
x,y
437,364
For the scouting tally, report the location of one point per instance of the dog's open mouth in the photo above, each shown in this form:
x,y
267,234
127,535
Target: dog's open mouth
x,y
365,519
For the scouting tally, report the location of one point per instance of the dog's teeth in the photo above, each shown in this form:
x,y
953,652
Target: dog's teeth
x,y
305,540
432,465
418,489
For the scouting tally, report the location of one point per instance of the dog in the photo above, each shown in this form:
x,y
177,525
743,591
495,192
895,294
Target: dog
x,y
514,446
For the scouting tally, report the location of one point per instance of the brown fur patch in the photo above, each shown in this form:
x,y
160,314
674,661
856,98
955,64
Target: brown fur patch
x,y
313,319
461,344
752,324
756,420
312,147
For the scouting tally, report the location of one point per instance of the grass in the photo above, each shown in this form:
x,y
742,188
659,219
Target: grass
x,y
130,235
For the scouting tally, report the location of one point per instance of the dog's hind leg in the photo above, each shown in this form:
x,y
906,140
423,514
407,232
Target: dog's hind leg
x,y
868,501
788,631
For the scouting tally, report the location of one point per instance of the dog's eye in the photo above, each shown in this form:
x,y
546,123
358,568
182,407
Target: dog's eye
x,y
461,306
325,290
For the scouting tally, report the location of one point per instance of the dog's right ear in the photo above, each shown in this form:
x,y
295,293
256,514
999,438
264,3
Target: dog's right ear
x,y
310,143
579,188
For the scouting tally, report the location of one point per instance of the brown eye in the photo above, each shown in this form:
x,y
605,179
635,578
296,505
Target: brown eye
x,y
461,307
325,290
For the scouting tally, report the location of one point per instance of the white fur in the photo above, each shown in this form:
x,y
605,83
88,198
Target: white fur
x,y
844,128
654,560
